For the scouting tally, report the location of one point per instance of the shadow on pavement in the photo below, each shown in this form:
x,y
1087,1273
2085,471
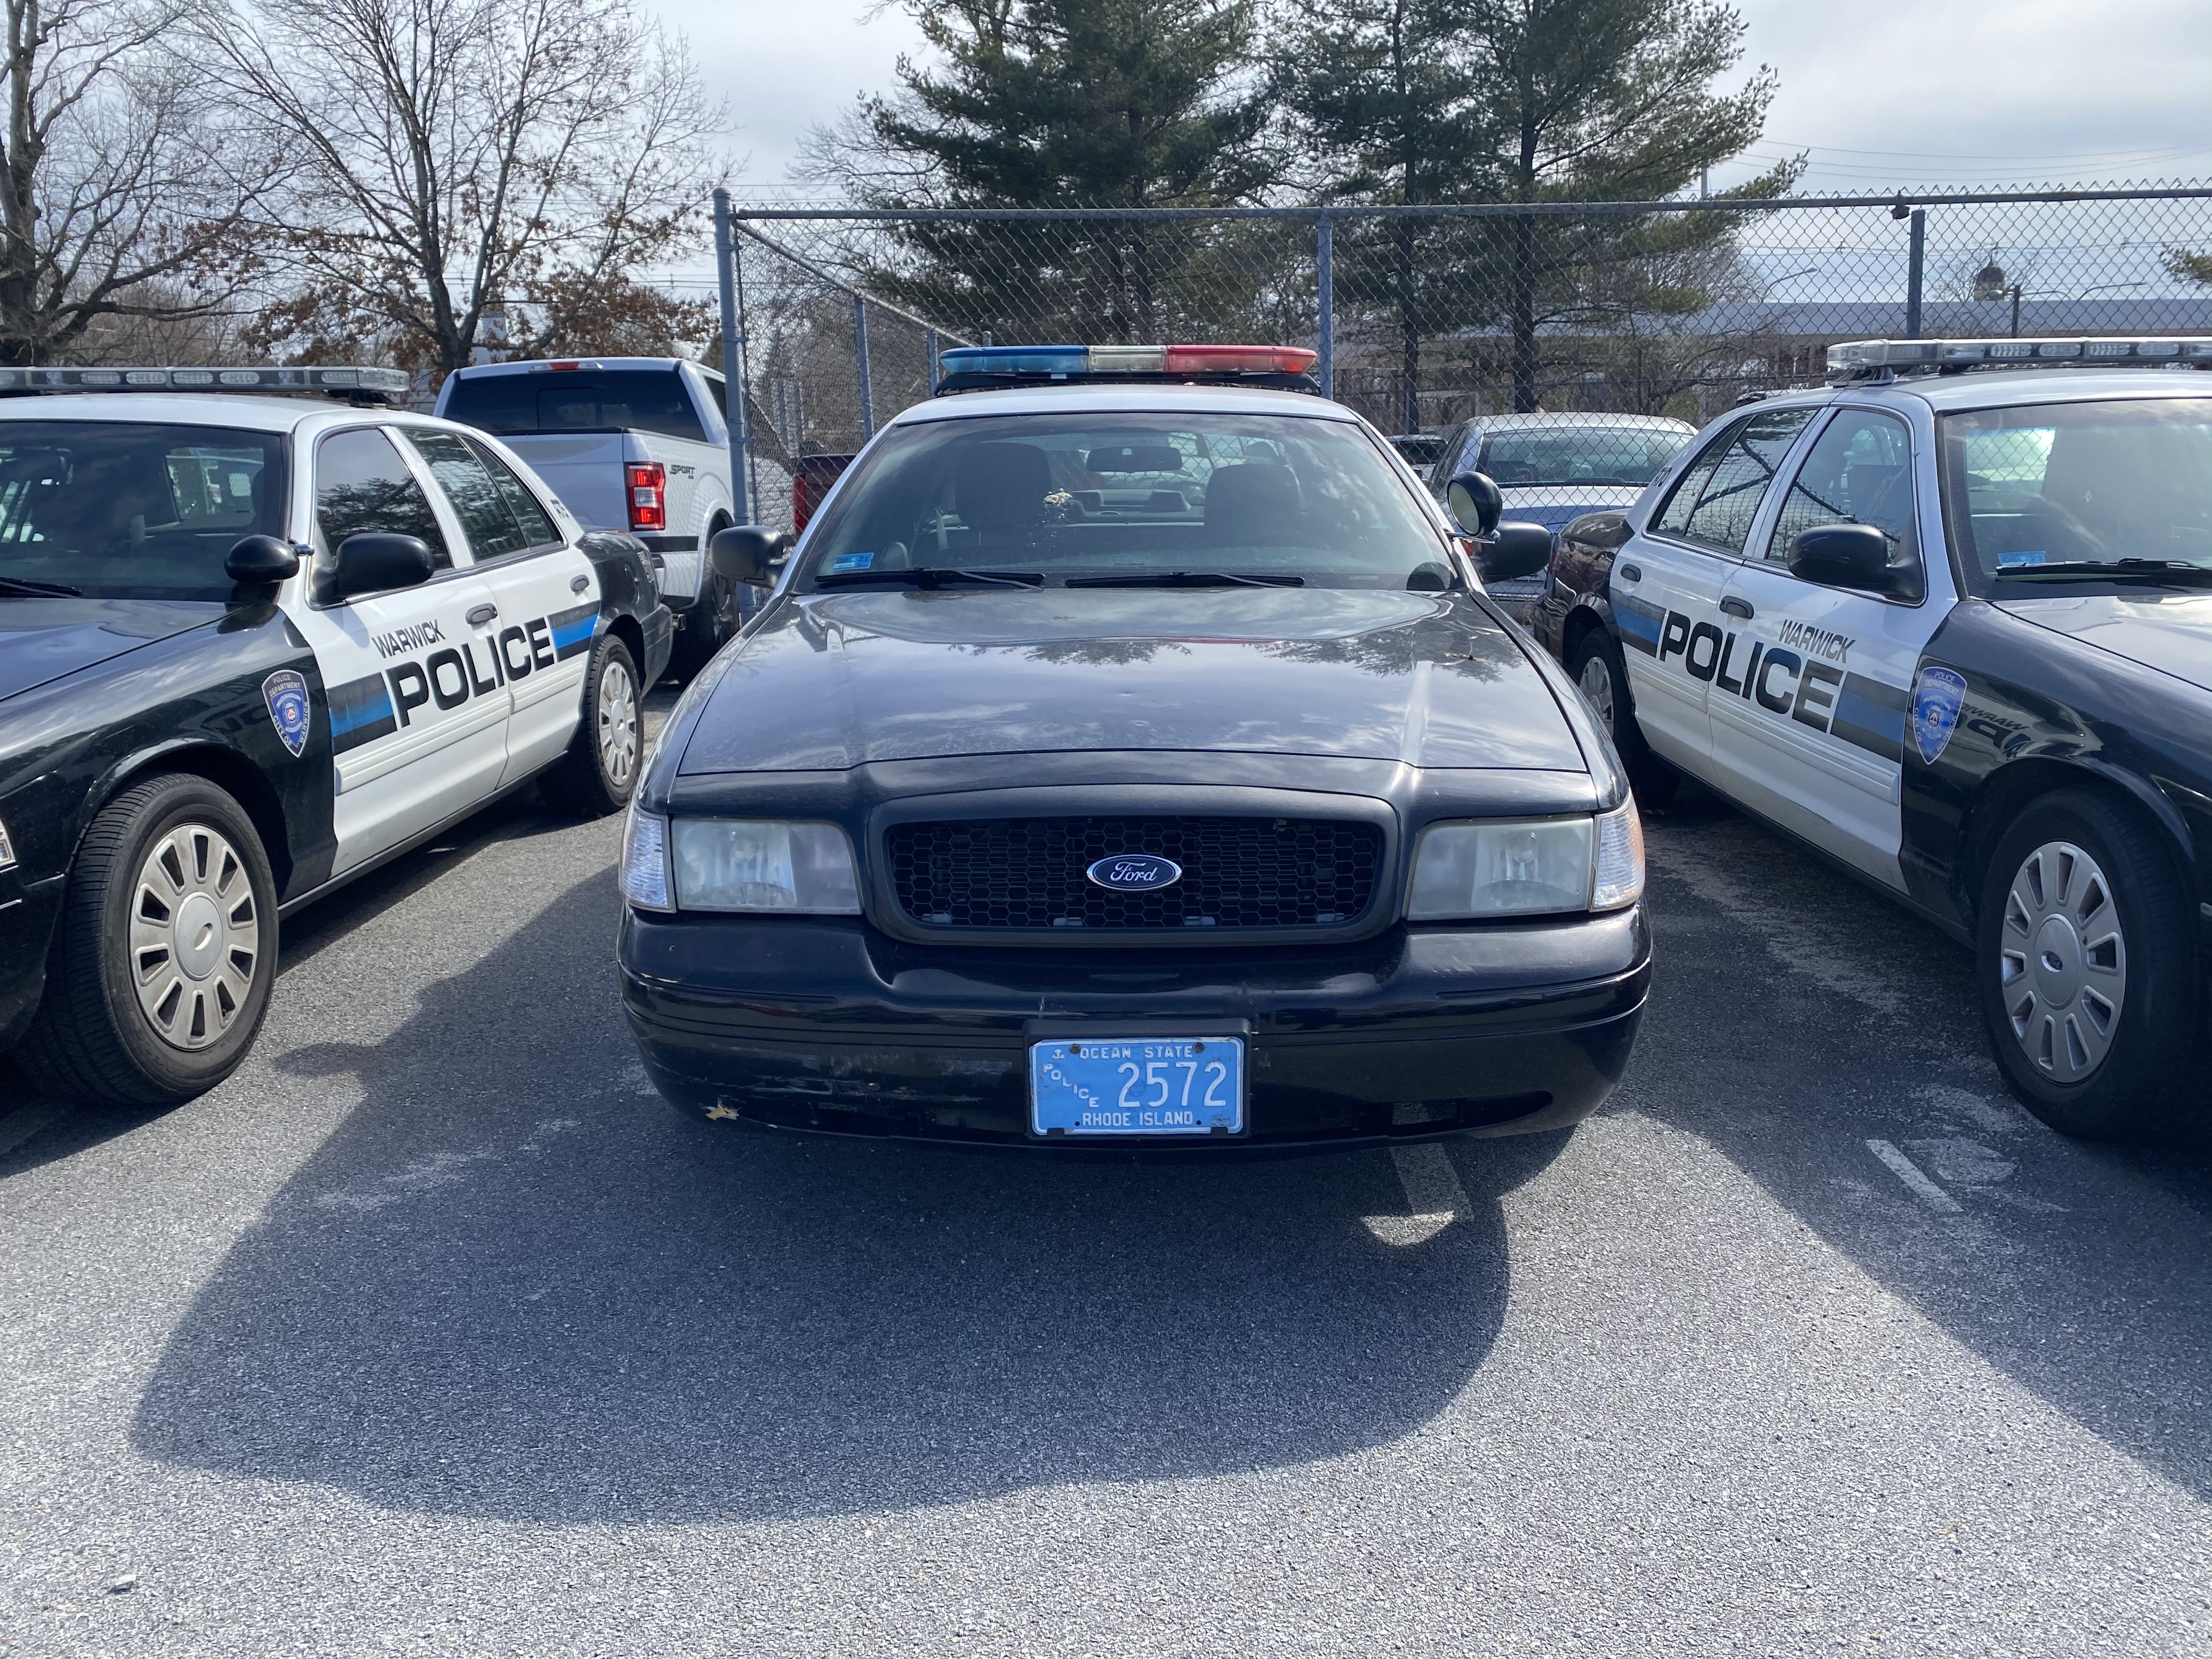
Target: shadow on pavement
x,y
514,1284
1797,1014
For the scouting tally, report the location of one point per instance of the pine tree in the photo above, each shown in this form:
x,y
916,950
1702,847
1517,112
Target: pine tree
x,y
1062,103
1524,102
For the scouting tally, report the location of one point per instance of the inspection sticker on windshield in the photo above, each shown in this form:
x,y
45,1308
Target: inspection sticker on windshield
x,y
852,561
2007,560
1137,1086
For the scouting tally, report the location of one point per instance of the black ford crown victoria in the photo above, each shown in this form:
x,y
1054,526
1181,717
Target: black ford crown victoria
x,y
1134,765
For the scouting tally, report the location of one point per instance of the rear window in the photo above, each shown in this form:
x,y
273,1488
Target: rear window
x,y
576,400
1626,457
129,510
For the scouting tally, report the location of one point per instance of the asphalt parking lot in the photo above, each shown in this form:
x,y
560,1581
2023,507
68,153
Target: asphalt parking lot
x,y
433,1331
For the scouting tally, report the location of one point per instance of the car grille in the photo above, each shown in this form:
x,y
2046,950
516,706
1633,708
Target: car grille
x,y
1239,872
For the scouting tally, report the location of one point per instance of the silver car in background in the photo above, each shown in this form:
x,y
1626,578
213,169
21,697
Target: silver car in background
x,y
1554,468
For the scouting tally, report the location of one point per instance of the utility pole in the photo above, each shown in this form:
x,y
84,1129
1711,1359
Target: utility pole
x,y
734,378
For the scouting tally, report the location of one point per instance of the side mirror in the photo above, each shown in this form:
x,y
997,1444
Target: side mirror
x,y
1476,503
375,563
260,559
1605,532
1517,549
745,554
1854,556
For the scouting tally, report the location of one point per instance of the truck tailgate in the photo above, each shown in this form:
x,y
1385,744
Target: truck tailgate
x,y
584,469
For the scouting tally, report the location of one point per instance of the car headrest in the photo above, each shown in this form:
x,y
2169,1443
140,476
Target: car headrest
x,y
1000,487
1254,504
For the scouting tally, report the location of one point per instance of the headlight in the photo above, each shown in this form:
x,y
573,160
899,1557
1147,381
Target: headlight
x,y
1541,867
726,864
645,861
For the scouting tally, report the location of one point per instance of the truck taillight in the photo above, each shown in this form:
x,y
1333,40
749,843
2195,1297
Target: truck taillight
x,y
648,497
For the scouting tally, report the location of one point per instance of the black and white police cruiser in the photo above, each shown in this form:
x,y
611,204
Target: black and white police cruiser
x,y
1129,756
252,646
1949,621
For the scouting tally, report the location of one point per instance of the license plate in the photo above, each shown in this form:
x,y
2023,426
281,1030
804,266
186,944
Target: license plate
x,y
1137,1086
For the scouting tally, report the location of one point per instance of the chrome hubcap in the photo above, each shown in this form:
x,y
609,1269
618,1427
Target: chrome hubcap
x,y
1596,682
195,936
2062,961
618,725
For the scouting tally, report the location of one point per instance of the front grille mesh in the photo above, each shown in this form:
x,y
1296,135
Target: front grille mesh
x,y
1239,872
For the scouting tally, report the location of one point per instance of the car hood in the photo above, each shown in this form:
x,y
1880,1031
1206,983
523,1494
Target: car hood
x,y
836,681
42,640
2169,631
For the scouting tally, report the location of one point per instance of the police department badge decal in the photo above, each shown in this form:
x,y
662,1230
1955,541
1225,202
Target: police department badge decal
x,y
286,693
1937,696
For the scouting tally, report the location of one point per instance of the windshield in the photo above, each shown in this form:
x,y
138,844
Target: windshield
x,y
125,510
1567,455
1263,497
574,400
2032,495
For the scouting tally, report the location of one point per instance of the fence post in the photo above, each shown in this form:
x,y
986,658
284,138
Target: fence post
x,y
1912,281
861,351
725,254
1325,258
929,344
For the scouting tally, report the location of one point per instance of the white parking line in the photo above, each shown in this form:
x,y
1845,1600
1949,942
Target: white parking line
x,y
1433,1193
17,1127
1909,1172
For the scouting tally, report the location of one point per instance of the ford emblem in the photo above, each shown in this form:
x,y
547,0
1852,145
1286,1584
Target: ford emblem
x,y
1134,873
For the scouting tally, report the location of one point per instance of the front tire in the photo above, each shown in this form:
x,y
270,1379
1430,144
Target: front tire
x,y
2087,969
164,953
599,774
1601,673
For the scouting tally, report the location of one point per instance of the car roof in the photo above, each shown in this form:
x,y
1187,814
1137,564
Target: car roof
x,y
586,364
232,409
1576,417
2003,388
1147,399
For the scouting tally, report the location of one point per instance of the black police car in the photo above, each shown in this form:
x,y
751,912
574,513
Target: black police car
x,y
252,646
1126,762
1949,621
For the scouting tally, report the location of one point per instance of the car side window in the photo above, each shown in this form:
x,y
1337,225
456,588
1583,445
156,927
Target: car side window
x,y
362,485
1717,498
1859,470
522,500
487,515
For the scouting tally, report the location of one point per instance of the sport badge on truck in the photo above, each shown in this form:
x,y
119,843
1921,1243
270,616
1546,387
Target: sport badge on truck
x,y
286,693
1937,694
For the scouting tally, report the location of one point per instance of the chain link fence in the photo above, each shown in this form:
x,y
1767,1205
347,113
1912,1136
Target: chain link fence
x,y
1428,317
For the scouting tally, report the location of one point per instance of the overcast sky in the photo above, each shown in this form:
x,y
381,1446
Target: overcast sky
x,y
1997,92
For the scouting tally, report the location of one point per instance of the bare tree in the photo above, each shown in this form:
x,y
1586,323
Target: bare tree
x,y
456,156
121,192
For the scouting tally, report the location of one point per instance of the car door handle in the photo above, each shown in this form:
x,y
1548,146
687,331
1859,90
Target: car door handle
x,y
577,583
1632,572
1736,607
481,614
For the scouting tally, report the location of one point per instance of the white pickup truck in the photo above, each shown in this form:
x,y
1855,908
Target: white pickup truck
x,y
628,443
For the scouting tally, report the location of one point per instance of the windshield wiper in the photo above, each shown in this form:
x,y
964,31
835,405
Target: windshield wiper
x,y
930,576
1185,579
19,587
2119,570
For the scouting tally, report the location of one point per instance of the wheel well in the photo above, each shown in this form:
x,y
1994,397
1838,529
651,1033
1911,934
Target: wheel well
x,y
626,629
1580,621
236,778
2009,792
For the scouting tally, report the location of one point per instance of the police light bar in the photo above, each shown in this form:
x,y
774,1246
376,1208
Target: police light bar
x,y
1074,361
1857,358
335,382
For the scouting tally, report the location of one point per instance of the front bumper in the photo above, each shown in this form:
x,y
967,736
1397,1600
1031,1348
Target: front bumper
x,y
829,1026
